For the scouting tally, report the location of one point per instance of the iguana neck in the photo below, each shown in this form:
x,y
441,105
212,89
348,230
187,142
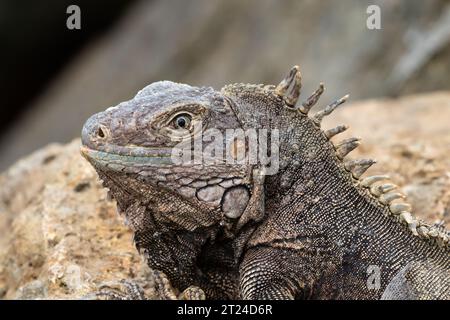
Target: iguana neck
x,y
314,183
312,168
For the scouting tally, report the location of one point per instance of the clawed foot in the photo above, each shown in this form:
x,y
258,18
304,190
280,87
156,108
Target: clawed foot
x,y
157,287
165,291
121,290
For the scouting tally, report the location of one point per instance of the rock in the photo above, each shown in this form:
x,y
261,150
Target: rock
x,y
32,290
60,237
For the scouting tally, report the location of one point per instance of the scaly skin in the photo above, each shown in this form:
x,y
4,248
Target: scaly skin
x,y
312,229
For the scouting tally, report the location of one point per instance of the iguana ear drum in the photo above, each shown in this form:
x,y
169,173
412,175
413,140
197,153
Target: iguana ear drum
x,y
235,201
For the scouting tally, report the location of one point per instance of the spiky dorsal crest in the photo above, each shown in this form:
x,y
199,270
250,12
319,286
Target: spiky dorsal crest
x,y
379,187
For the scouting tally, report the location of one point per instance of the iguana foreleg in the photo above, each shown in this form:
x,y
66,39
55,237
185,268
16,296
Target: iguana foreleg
x,y
263,274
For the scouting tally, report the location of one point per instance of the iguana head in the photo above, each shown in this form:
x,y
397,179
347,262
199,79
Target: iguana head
x,y
171,149
175,148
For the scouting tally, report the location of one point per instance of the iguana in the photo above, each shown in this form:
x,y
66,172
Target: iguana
x,y
313,229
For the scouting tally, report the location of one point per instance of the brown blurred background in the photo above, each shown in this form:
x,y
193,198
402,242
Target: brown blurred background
x,y
52,79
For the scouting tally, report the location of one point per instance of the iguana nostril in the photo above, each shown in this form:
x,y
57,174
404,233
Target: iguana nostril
x,y
100,133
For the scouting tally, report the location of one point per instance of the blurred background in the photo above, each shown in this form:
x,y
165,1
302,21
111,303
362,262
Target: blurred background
x,y
52,78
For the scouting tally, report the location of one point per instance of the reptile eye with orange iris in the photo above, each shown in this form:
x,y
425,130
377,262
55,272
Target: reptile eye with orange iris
x,y
182,121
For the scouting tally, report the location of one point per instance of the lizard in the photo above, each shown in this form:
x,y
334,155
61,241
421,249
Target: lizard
x,y
314,228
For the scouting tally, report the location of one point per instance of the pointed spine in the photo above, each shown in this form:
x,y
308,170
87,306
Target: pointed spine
x,y
399,207
378,190
423,231
389,197
312,100
369,181
289,88
346,146
336,130
358,167
317,118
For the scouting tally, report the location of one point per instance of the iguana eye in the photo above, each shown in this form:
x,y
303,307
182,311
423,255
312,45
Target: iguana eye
x,y
182,121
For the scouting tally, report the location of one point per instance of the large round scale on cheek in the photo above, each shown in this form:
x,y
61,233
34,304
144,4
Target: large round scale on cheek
x,y
210,193
235,201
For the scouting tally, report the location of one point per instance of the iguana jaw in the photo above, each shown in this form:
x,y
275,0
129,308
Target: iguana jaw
x,y
133,158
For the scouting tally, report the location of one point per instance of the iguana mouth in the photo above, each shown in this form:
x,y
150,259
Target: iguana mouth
x,y
128,157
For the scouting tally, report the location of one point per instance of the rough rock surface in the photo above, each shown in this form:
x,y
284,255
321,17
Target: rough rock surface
x,y
60,237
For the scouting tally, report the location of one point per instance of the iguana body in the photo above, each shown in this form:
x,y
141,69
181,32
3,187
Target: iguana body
x,y
312,229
